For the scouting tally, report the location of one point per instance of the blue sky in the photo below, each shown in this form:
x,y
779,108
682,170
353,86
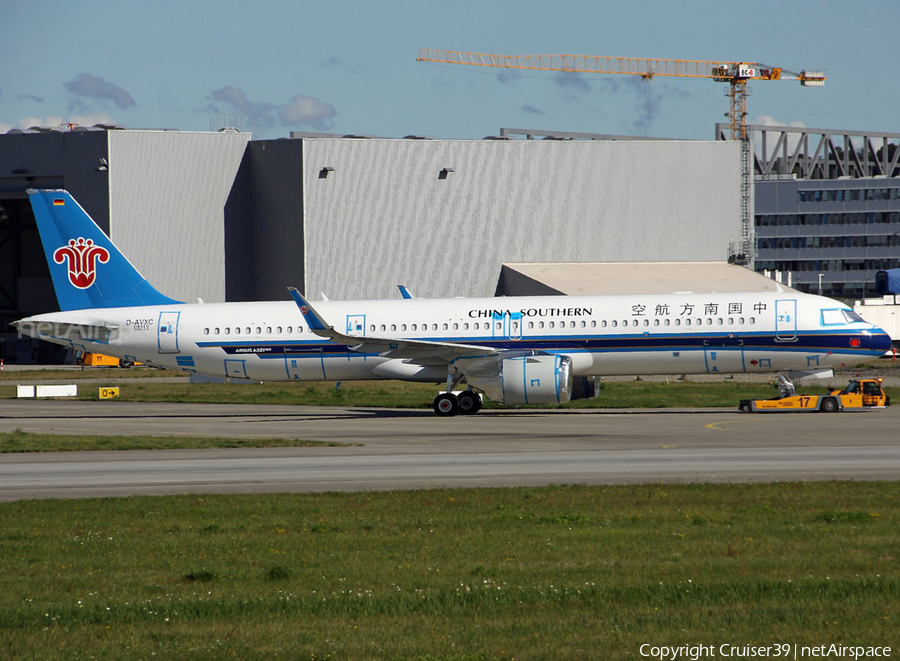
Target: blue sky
x,y
350,67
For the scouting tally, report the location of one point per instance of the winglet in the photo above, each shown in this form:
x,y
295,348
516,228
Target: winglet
x,y
314,320
404,292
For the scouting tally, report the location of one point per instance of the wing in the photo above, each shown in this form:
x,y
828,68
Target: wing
x,y
414,351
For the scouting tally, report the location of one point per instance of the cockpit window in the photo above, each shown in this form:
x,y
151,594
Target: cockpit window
x,y
832,317
838,316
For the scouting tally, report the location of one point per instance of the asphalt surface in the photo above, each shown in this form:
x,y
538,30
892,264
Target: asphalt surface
x,y
400,449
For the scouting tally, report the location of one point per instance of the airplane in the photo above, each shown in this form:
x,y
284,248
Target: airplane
x,y
512,350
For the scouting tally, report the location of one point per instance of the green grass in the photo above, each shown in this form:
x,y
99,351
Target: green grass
x,y
112,373
21,441
398,394
525,573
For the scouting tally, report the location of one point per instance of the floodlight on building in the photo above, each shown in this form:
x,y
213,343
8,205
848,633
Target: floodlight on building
x,y
323,173
444,172
103,167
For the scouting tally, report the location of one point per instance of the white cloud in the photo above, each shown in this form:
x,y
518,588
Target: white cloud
x,y
52,121
768,120
307,110
300,110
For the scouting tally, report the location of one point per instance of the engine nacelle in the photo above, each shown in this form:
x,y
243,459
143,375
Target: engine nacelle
x,y
536,380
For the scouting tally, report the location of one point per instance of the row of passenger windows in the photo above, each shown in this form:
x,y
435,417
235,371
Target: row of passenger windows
x,y
486,326
247,330
795,219
540,325
852,195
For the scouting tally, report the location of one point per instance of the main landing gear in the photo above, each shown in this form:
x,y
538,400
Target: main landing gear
x,y
466,403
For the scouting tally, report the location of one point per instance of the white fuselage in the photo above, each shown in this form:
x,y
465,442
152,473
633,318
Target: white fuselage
x,y
603,335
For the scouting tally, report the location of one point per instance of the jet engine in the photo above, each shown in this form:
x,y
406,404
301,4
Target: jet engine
x,y
536,380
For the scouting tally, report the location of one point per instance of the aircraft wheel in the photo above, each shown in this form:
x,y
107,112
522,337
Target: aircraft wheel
x,y
446,404
829,405
469,402
126,363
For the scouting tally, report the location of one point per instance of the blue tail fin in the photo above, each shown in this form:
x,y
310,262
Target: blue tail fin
x,y
87,269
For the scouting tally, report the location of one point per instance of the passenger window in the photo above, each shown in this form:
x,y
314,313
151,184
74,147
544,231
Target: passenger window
x,y
434,327
393,328
752,320
615,323
206,331
228,331
678,322
687,322
593,323
413,327
216,331
268,330
540,324
371,328
278,330
247,330
237,331
258,330
646,322
741,321
552,324
667,322
402,327
499,326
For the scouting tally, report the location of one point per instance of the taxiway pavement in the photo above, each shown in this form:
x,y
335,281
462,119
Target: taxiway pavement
x,y
391,448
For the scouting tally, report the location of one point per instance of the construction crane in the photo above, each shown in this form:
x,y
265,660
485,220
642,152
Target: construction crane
x,y
736,74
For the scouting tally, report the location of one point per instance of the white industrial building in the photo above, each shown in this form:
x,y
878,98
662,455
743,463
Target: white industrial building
x,y
219,216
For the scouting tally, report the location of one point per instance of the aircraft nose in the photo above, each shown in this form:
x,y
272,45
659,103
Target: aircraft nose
x,y
880,340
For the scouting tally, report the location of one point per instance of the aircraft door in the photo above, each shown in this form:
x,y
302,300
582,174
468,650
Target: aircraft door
x,y
356,324
167,332
236,369
507,325
786,320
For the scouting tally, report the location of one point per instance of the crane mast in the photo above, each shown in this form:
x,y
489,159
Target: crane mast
x,y
736,74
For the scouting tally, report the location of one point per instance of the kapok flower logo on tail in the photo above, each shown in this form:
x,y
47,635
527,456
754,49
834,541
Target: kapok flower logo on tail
x,y
82,256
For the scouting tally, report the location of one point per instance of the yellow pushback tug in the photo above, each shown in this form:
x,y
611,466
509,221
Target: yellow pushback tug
x,y
858,395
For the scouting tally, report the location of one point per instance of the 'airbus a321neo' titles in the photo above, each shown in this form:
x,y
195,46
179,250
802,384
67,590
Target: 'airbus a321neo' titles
x,y
515,350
